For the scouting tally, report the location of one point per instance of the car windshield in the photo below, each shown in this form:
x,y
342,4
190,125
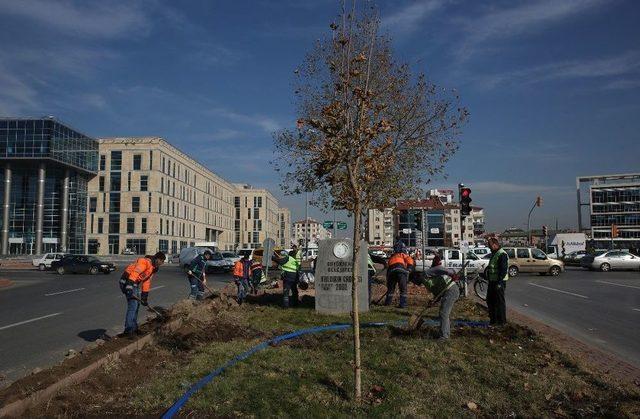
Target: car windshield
x,y
229,255
599,253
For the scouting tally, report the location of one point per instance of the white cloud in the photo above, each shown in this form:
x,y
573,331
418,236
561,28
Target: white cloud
x,y
409,18
107,19
267,124
501,187
626,63
16,97
526,17
622,84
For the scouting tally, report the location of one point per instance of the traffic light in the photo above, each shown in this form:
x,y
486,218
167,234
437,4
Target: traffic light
x,y
544,231
614,231
465,201
418,220
539,201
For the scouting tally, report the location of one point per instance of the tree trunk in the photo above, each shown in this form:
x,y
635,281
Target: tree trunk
x,y
355,315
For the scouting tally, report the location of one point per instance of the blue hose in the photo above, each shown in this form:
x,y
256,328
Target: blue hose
x,y
334,327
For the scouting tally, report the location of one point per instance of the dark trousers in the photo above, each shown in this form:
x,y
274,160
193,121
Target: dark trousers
x,y
495,302
196,288
289,289
396,278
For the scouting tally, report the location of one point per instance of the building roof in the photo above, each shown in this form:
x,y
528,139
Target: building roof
x,y
309,221
428,203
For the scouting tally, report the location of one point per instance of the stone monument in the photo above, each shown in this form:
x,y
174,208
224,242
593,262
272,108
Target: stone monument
x,y
333,277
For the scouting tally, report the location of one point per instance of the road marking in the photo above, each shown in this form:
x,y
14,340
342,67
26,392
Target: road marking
x,y
157,288
635,309
619,285
555,289
29,321
63,292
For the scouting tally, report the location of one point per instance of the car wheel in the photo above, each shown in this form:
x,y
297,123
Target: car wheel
x,y
60,270
93,270
605,267
555,271
42,267
513,271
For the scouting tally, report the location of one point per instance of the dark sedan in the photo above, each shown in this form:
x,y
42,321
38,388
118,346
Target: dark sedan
x,y
82,264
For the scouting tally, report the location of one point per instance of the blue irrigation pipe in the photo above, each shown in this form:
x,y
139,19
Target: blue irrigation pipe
x,y
178,404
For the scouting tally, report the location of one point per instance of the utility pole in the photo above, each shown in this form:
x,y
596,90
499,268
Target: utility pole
x,y
537,203
306,222
335,234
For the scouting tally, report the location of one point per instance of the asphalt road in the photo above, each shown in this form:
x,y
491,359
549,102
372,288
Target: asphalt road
x,y
598,308
44,314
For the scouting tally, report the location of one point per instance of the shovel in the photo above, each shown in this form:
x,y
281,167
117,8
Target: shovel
x,y
160,315
204,284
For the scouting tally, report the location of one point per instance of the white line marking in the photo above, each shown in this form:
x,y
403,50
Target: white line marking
x,y
555,289
635,309
29,321
63,292
157,288
620,285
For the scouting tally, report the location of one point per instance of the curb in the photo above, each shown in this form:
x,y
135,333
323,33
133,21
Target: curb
x,y
18,407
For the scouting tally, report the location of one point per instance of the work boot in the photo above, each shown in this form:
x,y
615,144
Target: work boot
x,y
403,301
388,300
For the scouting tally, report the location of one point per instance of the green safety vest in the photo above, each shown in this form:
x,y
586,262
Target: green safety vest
x,y
439,284
492,269
292,265
299,256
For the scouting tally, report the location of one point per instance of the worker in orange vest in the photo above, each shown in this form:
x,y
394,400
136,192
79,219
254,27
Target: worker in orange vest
x,y
400,264
135,284
241,272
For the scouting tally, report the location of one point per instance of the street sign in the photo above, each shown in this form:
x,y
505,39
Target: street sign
x,y
328,225
342,225
435,230
406,231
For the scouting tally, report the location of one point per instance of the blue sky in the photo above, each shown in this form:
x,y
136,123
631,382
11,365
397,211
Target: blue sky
x,y
552,86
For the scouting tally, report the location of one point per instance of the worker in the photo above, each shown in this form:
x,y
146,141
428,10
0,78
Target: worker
x,y
241,271
371,268
197,275
497,275
296,253
290,274
400,264
135,284
440,282
256,275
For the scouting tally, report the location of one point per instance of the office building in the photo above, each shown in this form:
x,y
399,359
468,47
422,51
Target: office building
x,y
309,229
380,228
46,167
613,200
256,216
284,228
149,196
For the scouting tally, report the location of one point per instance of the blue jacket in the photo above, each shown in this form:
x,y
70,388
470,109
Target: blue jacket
x,y
198,265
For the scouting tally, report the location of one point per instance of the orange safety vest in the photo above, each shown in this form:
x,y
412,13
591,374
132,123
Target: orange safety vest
x,y
141,272
238,269
402,259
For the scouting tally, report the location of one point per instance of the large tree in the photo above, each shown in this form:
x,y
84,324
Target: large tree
x,y
368,131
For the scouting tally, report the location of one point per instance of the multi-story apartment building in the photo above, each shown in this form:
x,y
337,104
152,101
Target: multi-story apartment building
x,y
150,196
284,228
43,184
256,216
310,230
380,228
613,200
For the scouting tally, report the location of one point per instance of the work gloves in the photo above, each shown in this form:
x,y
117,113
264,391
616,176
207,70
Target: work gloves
x,y
144,299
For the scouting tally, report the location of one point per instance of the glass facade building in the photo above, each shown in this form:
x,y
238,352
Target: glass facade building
x,y
46,166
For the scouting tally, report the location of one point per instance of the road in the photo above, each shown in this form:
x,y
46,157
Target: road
x,y
598,308
43,314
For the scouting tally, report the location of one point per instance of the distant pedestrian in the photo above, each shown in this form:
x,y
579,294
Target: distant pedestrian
x,y
197,275
497,275
135,284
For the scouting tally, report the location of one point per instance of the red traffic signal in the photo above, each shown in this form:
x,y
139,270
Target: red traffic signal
x,y
465,201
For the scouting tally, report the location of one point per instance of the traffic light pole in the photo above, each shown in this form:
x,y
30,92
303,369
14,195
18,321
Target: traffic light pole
x,y
423,240
529,223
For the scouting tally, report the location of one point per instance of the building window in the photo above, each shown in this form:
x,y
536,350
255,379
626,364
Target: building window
x,y
93,246
114,202
256,213
135,204
256,237
150,159
100,225
143,226
114,224
116,160
129,181
144,182
93,204
103,162
161,185
139,246
149,209
161,226
131,225
163,164
91,226
137,161
114,244
101,183
163,246
114,182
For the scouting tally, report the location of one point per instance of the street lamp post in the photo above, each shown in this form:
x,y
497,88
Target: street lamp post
x,y
537,203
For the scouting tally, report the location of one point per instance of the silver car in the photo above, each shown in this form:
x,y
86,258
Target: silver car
x,y
611,260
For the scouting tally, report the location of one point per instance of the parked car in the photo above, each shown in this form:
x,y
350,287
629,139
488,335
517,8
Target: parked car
x,y
82,264
452,258
574,258
531,259
611,260
481,251
47,259
233,257
128,251
217,263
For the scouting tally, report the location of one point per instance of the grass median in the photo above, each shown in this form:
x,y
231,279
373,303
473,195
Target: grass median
x,y
509,371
